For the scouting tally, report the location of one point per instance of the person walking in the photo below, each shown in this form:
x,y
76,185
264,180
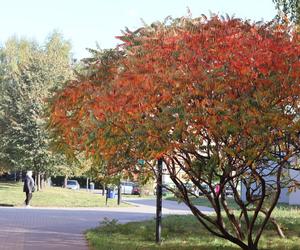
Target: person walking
x,y
28,187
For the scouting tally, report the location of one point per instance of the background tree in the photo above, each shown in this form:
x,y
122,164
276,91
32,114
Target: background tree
x,y
30,74
291,8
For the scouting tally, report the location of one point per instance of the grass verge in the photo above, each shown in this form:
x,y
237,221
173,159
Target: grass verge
x,y
203,201
186,233
11,194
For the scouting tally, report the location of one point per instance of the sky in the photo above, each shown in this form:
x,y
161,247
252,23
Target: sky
x,y
87,22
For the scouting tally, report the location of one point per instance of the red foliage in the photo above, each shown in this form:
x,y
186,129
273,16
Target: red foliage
x,y
223,94
210,68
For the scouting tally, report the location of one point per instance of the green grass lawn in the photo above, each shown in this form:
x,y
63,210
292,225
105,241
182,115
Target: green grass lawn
x,y
186,233
11,194
202,201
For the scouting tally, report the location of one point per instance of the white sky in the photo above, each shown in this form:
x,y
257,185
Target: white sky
x,y
85,22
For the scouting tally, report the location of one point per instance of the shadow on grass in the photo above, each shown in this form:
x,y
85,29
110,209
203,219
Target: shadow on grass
x,y
6,205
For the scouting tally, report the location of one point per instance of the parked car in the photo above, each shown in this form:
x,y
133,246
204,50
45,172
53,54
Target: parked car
x,y
190,187
204,187
136,190
73,184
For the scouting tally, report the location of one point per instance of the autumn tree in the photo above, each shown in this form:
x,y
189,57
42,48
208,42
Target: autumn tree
x,y
80,99
216,99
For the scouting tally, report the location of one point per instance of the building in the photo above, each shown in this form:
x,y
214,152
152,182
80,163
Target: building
x,y
291,197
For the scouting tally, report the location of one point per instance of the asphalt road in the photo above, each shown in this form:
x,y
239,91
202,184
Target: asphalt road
x,y
43,229
62,229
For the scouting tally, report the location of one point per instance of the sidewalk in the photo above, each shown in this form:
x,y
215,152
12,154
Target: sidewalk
x,y
168,207
63,228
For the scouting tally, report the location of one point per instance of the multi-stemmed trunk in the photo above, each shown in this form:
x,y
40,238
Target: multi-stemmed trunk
x,y
246,235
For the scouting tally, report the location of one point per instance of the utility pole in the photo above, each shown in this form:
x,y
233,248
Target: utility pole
x,y
159,200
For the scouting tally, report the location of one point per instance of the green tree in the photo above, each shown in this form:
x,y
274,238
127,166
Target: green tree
x,y
30,73
291,8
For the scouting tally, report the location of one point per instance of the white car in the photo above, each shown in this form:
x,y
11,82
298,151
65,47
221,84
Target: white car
x,y
127,187
73,184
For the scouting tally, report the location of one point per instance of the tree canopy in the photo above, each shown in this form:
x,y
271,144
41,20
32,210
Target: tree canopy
x,y
217,99
30,73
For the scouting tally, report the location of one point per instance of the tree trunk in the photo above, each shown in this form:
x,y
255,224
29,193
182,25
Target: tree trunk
x,y
65,181
20,178
103,189
250,247
48,182
36,181
43,181
159,200
39,186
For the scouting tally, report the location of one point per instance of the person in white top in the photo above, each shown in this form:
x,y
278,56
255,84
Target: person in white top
x,y
29,187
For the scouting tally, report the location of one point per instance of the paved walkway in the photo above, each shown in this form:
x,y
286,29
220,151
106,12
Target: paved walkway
x,y
62,229
169,207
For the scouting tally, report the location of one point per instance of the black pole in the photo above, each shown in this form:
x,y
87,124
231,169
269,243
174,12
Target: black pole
x,y
158,200
107,194
119,193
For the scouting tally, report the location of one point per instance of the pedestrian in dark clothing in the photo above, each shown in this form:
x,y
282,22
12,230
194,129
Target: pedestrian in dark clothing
x,y
28,187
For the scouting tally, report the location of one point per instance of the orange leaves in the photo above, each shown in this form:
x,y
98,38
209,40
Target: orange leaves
x,y
225,80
